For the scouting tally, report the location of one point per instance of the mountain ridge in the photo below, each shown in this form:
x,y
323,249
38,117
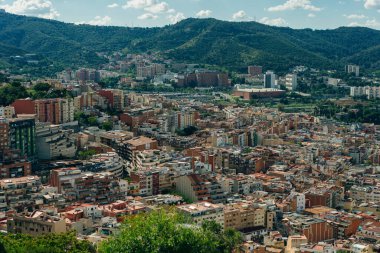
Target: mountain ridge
x,y
207,41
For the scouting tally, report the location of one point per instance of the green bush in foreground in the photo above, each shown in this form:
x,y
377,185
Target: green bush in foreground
x,y
167,231
53,243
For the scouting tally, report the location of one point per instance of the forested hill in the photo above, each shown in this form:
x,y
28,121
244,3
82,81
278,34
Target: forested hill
x,y
210,41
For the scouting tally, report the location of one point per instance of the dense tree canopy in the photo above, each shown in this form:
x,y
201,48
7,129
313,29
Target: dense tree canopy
x,y
167,231
52,243
11,92
206,41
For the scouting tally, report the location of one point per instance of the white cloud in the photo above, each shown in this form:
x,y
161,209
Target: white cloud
x,y
114,5
153,6
175,18
158,7
240,15
138,4
355,16
295,4
372,4
311,15
203,14
372,23
98,20
274,22
39,8
147,16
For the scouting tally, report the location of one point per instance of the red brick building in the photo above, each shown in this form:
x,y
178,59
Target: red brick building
x,y
315,229
13,165
24,106
255,70
249,94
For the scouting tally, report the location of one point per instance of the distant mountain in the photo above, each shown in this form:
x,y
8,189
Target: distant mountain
x,y
209,41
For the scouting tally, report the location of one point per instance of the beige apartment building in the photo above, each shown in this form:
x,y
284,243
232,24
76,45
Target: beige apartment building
x,y
204,211
36,223
295,242
242,216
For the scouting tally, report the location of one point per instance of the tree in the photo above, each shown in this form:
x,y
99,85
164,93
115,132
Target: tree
x,y
52,243
84,155
187,131
168,231
44,87
92,121
107,125
10,92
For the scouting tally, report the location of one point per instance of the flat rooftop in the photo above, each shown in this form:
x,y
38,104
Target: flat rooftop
x,y
255,90
199,207
140,141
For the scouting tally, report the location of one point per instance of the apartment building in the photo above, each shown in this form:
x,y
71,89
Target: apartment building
x,y
90,100
7,112
54,110
135,117
115,98
204,211
127,148
106,162
370,92
13,164
194,187
269,80
315,229
324,195
295,242
84,75
22,136
150,71
205,79
120,209
297,202
186,118
365,194
153,181
291,82
353,69
247,216
4,134
88,187
53,143
255,70
344,224
36,224
20,192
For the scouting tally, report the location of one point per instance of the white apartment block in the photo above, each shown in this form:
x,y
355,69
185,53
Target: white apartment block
x,y
368,91
353,69
291,82
7,112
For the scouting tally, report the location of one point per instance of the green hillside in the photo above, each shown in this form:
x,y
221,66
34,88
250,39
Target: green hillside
x,y
231,44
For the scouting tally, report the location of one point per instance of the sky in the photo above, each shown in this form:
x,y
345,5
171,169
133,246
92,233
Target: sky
x,y
315,14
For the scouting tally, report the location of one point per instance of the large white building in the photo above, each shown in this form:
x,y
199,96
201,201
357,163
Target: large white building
x,y
368,91
353,69
291,82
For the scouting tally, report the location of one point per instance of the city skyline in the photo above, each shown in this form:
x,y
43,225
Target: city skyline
x,y
315,14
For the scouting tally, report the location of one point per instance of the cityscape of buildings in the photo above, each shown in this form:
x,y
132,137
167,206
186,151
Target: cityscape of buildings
x,y
287,181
